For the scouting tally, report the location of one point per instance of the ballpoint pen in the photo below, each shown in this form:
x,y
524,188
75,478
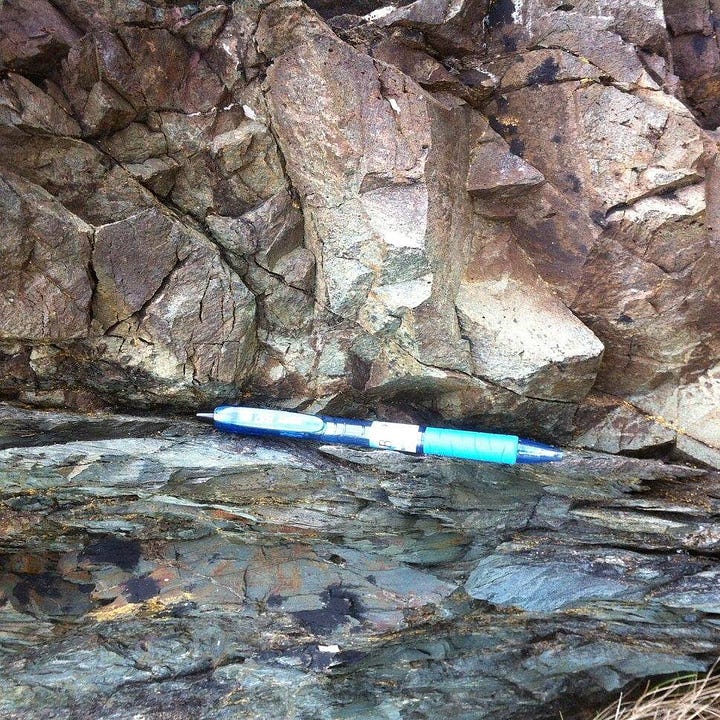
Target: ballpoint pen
x,y
418,439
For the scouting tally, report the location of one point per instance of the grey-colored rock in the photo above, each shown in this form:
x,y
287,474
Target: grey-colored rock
x,y
156,174
26,107
153,563
201,29
136,143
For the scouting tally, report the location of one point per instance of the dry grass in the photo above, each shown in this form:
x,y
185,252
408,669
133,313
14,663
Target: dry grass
x,y
684,698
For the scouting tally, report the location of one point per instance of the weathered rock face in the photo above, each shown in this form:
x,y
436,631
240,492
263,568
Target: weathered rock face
x,y
499,212
154,567
696,56
44,261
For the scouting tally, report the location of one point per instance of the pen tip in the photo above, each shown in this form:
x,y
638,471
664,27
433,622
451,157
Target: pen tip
x,y
535,452
205,416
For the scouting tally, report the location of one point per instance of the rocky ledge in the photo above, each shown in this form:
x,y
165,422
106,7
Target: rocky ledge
x,y
488,213
154,567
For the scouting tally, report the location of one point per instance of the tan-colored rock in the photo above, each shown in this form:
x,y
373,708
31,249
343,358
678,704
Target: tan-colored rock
x,y
693,409
157,174
619,427
521,335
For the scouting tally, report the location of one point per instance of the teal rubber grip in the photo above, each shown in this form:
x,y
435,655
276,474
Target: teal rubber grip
x,y
470,445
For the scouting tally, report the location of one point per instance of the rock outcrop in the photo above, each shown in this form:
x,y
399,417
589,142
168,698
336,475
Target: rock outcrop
x,y
502,213
153,567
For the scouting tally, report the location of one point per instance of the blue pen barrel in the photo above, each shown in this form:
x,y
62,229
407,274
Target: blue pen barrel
x,y
488,447
347,432
470,445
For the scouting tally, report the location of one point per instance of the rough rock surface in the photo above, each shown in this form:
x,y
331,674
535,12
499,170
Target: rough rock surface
x,y
503,213
153,567
496,213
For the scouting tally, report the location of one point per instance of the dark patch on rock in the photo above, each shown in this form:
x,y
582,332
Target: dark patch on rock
x,y
509,43
575,182
517,146
496,125
381,495
183,609
43,584
545,73
348,657
500,13
359,372
339,606
472,77
140,589
502,128
47,593
113,550
318,659
699,44
275,600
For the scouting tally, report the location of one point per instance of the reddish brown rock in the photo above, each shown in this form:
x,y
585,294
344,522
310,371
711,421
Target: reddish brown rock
x,y
173,77
34,36
44,266
696,57
101,57
446,206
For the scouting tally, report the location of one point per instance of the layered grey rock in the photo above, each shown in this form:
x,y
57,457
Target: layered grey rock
x,y
153,566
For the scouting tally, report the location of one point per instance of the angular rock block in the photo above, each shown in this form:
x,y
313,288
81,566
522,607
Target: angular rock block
x,y
45,283
168,304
